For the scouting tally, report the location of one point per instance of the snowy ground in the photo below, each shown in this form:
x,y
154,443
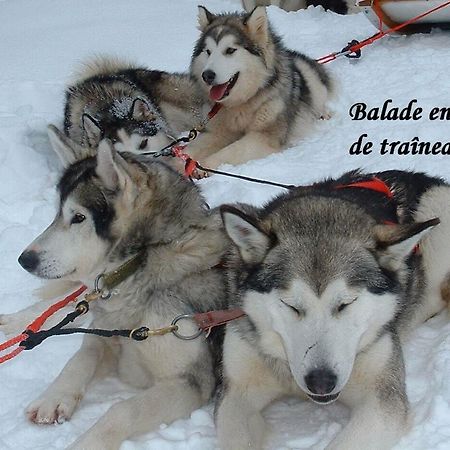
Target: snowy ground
x,y
41,43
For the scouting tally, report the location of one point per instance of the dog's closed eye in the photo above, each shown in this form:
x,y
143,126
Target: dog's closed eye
x,y
298,312
342,306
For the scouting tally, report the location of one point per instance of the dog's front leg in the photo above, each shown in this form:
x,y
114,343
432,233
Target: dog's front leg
x,y
208,143
240,425
254,145
59,401
162,403
248,387
378,401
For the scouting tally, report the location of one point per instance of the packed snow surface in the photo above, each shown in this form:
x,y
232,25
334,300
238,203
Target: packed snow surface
x,y
41,44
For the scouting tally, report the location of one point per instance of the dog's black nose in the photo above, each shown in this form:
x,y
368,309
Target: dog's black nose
x,y
321,381
209,76
29,260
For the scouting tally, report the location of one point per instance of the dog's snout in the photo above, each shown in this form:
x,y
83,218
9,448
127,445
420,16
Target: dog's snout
x,y
321,381
209,76
29,260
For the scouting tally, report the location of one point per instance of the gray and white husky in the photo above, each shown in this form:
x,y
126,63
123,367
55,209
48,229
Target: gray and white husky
x,y
331,286
112,207
270,95
150,107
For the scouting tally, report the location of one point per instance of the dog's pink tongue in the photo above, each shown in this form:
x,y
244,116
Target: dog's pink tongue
x,y
217,92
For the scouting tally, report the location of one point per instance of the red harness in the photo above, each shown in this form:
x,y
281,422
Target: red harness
x,y
375,184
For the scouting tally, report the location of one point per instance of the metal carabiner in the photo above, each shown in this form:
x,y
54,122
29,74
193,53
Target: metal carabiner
x,y
180,336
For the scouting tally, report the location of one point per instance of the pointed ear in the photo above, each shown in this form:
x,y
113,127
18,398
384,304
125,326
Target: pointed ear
x,y
204,17
109,166
257,24
396,242
140,110
253,243
92,129
63,146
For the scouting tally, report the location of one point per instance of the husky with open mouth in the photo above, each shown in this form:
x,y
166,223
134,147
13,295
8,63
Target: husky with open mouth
x,y
150,107
270,95
115,208
332,281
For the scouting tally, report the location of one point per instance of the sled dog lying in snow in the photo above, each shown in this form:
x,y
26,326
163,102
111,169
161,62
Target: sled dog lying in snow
x,y
113,207
331,287
270,95
149,105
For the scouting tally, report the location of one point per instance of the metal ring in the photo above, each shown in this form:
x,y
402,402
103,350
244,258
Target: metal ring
x,y
180,336
105,294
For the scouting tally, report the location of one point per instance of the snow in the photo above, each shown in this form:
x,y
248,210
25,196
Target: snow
x,y
42,42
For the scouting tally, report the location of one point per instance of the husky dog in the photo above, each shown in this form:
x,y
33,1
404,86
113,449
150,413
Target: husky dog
x,y
113,207
338,6
331,288
269,95
149,105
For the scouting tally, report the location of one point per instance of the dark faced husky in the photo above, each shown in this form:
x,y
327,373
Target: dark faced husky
x,y
113,207
270,95
148,106
332,280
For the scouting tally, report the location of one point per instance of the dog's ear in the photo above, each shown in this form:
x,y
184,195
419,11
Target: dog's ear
x,y
140,110
67,150
247,234
204,17
395,242
92,130
110,166
257,24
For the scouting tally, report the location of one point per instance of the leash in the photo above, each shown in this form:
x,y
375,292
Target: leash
x,y
103,289
36,325
353,49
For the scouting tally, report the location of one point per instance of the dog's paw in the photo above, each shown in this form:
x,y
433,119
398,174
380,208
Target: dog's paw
x,y
327,115
199,174
53,408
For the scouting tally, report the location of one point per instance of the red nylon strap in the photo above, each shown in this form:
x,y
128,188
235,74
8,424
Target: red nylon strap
x,y
214,110
381,34
37,324
375,184
189,167
379,186
212,319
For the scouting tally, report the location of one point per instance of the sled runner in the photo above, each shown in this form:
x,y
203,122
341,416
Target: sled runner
x,y
389,13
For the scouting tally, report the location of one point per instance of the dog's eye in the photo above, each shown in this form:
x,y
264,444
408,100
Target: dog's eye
x,y
230,50
143,144
292,308
78,218
208,52
342,306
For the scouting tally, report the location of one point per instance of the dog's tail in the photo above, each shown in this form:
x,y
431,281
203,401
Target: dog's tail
x,y
100,65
